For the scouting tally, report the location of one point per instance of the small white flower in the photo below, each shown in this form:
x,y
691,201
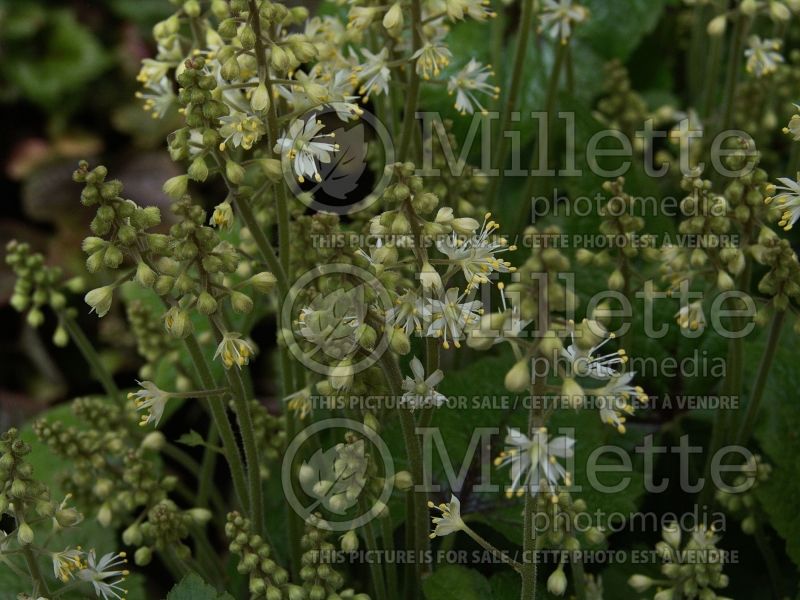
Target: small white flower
x,y
419,391
533,461
302,145
104,575
787,196
476,255
407,313
240,130
793,128
584,363
152,399
614,400
451,318
763,56
100,299
691,316
559,16
233,350
158,97
468,83
431,59
475,9
374,74
450,520
66,563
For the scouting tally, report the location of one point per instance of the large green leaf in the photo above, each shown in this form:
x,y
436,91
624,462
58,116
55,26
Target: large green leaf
x,y
454,582
192,587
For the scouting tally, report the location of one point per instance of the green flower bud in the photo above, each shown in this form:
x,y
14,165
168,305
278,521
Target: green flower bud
x,y
279,59
200,516
100,299
260,98
24,534
272,168
518,379
230,69
164,284
198,170
234,172
557,582
60,337
403,481
263,282
155,441
145,275
35,318
206,304
176,187
112,257
132,536
399,342
143,556
241,303
640,583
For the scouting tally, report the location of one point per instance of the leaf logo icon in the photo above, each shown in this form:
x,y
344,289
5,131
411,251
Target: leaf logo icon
x,y
341,175
335,477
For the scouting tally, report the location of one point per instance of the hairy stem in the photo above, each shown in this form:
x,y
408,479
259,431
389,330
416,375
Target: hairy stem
x,y
412,94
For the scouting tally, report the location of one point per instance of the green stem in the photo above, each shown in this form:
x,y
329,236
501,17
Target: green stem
x,y
375,568
578,578
247,432
419,522
205,478
734,66
387,535
543,145
500,146
90,355
218,414
491,549
35,571
759,386
412,94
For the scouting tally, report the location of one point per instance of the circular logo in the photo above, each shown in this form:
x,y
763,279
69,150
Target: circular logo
x,y
328,326
334,478
326,155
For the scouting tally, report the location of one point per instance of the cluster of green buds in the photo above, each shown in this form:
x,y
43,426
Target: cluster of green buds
x,y
320,580
621,225
747,193
782,281
691,571
270,436
708,218
153,344
165,528
268,579
115,470
23,496
564,518
745,505
38,286
621,107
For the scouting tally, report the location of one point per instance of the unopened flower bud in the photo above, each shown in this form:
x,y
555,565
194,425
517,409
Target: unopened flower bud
x,y
349,541
518,379
176,187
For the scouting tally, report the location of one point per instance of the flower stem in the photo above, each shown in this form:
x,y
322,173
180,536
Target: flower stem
x,y
500,146
412,94
217,409
419,521
776,326
375,568
387,541
734,64
90,355
35,571
492,550
543,145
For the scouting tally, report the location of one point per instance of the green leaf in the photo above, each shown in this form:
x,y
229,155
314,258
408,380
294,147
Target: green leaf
x,y
192,439
454,582
70,58
192,587
616,27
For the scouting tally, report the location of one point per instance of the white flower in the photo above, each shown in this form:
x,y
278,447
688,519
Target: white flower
x,y
153,72
104,575
233,350
788,198
477,255
100,299
793,128
614,400
407,313
467,83
302,145
373,74
431,59
360,17
240,130
450,520
66,563
158,97
763,56
419,392
585,364
559,16
475,9
450,318
533,461
152,399
691,316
